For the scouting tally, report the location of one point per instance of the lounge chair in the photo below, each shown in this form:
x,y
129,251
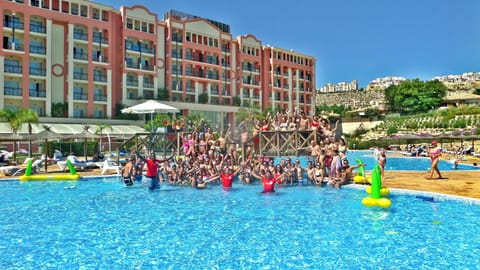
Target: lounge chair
x,y
110,165
17,170
75,162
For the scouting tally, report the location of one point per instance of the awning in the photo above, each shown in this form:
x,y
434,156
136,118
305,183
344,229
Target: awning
x,y
74,129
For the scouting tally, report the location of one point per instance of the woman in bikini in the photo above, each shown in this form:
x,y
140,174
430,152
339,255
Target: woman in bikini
x,y
435,154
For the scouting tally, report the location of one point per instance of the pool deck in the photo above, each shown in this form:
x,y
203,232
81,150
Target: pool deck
x,y
460,183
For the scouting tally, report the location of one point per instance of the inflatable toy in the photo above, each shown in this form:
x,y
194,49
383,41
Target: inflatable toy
x,y
375,198
50,177
361,178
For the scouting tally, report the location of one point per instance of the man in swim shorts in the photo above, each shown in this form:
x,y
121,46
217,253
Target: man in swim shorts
x,y
152,168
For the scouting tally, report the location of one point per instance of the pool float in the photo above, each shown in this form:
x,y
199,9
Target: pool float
x,y
375,198
361,178
50,177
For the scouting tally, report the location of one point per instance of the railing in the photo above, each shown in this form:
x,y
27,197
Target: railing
x,y
12,68
80,56
80,76
37,93
12,91
99,78
147,84
37,49
37,27
80,35
266,143
132,83
37,71
11,24
99,97
80,96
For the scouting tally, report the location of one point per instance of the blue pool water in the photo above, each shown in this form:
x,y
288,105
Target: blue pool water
x,y
100,224
395,163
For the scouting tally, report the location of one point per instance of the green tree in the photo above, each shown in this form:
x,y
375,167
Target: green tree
x,y
203,98
163,94
415,96
15,124
59,109
29,117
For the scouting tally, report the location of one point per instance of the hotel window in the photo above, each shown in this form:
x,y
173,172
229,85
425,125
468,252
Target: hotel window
x,y
96,14
84,11
188,37
215,43
151,28
137,25
129,23
74,9
144,27
35,3
104,15
210,42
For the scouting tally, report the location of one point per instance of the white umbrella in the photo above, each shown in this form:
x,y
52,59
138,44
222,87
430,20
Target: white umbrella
x,y
150,106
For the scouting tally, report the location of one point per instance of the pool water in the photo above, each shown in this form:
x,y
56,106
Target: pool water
x,y
393,163
100,224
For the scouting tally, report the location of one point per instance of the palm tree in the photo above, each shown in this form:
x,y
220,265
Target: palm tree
x,y
15,125
29,117
100,128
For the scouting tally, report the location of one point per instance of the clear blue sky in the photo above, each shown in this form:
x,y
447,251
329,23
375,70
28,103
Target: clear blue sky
x,y
353,39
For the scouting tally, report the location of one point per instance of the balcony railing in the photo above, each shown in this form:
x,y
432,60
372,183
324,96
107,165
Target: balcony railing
x,y
97,58
78,34
99,78
148,84
12,91
37,93
80,76
100,97
132,83
18,46
11,24
37,27
38,49
99,40
80,56
37,71
80,96
9,68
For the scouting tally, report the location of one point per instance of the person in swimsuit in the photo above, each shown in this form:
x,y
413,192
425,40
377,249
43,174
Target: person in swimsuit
x,y
152,168
382,161
128,173
435,154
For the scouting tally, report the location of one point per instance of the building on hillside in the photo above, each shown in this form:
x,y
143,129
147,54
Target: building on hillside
x,y
339,87
382,83
90,59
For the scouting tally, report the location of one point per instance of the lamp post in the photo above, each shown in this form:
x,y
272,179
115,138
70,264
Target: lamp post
x,y
13,30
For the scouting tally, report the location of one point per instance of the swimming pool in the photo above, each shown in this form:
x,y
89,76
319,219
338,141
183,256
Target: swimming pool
x,y
100,224
395,163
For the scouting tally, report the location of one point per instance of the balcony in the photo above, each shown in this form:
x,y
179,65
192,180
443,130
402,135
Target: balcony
x,y
99,58
80,96
99,97
132,83
37,27
99,78
12,68
12,91
190,89
214,92
80,56
14,23
18,46
148,84
37,93
80,76
99,39
37,71
38,49
80,35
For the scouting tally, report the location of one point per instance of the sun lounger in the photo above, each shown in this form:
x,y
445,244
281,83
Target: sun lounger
x,y
109,165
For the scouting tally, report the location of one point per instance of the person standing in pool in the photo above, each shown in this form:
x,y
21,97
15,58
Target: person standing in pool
x,y
128,173
434,153
268,180
152,168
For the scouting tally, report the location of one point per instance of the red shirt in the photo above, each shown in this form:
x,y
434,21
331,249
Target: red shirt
x,y
227,180
152,167
268,184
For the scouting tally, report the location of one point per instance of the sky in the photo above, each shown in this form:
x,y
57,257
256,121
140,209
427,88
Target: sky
x,y
352,39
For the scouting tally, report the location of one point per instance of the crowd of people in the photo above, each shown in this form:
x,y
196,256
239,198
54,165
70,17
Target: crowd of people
x,y
212,157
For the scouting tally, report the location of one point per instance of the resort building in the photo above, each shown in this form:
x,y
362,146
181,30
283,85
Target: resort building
x,y
382,83
339,87
81,59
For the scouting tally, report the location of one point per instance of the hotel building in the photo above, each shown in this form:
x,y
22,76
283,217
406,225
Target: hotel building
x,y
81,59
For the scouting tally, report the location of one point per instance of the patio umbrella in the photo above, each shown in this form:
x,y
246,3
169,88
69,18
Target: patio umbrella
x,y
85,135
45,135
151,107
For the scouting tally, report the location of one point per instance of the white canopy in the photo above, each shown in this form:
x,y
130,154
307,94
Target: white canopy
x,y
150,106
